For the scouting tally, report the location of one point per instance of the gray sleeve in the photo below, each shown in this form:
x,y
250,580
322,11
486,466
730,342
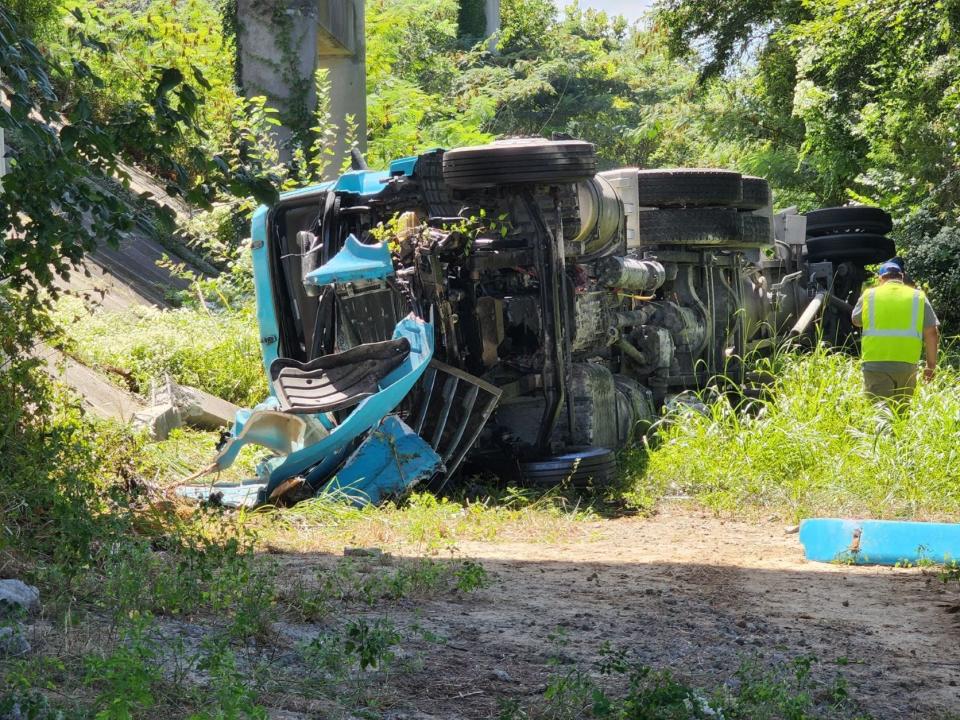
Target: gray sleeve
x,y
929,316
857,315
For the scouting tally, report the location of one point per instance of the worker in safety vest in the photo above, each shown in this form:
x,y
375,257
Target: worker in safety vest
x,y
898,323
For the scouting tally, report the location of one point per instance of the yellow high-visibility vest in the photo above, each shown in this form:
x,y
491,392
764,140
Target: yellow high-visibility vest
x,y
892,324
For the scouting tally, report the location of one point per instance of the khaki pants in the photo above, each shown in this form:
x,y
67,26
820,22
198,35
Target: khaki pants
x,y
898,386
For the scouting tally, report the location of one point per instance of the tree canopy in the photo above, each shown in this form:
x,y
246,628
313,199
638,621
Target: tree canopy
x,y
65,151
832,102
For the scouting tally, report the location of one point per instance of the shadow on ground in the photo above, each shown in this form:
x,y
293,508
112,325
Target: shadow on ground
x,y
885,631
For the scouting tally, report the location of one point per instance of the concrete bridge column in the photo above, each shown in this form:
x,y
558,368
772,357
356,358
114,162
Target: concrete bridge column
x,y
492,11
3,146
281,44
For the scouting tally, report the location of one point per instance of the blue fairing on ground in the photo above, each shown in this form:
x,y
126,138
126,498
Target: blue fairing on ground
x,y
243,494
879,542
391,459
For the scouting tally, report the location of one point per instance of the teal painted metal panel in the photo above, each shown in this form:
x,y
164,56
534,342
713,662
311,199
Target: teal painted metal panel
x,y
355,261
263,289
362,182
391,459
879,542
404,166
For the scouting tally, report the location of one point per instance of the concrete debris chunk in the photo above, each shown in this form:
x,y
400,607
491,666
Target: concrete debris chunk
x,y
158,420
17,597
205,411
173,405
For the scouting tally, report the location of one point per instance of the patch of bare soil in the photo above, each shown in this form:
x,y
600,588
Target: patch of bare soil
x,y
681,590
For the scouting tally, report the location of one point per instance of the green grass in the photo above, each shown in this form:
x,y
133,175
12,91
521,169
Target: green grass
x,y
215,351
620,687
186,451
816,445
422,522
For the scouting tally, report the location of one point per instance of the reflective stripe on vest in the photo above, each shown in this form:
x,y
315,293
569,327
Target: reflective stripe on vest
x,y
893,327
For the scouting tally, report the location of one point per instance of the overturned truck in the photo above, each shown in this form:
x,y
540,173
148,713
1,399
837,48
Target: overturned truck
x,y
511,308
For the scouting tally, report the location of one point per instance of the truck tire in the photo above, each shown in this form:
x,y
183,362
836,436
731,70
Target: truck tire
x,y
756,194
703,226
833,221
588,466
689,187
861,248
755,230
513,162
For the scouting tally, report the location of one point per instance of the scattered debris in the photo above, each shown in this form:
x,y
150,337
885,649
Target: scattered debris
x,y
202,410
312,445
172,406
158,420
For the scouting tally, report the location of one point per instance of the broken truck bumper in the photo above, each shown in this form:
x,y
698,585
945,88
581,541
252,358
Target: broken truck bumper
x,y
307,449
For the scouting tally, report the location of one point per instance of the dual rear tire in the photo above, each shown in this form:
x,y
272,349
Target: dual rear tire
x,y
849,234
695,207
686,206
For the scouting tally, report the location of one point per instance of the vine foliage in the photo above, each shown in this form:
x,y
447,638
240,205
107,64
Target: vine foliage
x,y
56,202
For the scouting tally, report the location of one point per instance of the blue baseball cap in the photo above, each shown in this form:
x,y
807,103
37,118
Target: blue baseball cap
x,y
890,268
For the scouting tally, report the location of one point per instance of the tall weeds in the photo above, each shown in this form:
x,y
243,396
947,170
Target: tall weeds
x,y
215,351
815,445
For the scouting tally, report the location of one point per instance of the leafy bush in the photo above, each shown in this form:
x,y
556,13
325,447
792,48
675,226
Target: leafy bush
x,y
184,36
36,16
64,153
215,351
816,445
932,254
61,474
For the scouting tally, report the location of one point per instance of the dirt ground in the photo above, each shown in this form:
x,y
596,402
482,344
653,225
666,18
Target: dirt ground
x,y
682,590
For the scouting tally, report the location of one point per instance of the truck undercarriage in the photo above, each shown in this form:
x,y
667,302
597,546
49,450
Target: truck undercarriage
x,y
509,307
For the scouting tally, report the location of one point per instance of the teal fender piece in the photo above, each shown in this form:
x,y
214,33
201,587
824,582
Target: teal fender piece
x,y
879,542
355,261
326,454
307,444
391,459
